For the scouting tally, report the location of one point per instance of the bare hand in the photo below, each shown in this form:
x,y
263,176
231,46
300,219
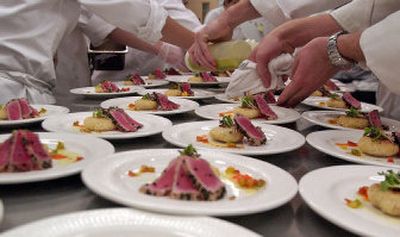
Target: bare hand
x,y
311,70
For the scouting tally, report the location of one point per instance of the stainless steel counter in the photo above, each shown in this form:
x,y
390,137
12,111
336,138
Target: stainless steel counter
x,y
30,202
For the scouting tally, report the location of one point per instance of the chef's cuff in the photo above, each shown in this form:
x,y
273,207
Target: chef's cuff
x,y
151,31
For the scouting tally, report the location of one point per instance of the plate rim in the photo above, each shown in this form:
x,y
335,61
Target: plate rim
x,y
76,91
212,94
308,100
218,82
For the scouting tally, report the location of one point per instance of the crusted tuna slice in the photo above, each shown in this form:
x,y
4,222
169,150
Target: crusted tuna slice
x,y
35,149
207,77
5,150
136,79
255,136
330,85
204,178
186,88
183,187
270,97
396,137
13,109
159,74
121,120
162,186
375,119
164,103
20,160
351,101
27,111
264,108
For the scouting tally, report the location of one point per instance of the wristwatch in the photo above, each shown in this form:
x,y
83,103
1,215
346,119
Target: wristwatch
x,y
335,57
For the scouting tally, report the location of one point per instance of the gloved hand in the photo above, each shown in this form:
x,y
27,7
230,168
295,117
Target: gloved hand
x,y
171,54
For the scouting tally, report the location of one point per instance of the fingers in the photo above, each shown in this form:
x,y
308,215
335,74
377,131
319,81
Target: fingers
x,y
199,52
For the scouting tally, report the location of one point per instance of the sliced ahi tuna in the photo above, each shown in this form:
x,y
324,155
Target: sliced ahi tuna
x,y
264,108
13,109
325,92
136,79
35,149
255,136
121,120
186,88
164,103
5,150
183,187
204,178
351,101
207,77
20,160
159,74
270,97
330,85
375,119
162,186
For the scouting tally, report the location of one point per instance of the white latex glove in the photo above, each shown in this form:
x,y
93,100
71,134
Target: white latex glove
x,y
171,54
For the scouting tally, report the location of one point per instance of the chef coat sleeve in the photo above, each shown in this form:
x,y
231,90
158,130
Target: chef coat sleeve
x,y
144,18
381,48
94,27
279,11
360,14
184,16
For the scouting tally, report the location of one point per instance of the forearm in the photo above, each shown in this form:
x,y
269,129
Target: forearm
x,y
349,46
126,38
176,34
241,12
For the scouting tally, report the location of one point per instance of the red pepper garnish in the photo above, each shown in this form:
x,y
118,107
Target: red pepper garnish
x,y
363,191
390,160
350,143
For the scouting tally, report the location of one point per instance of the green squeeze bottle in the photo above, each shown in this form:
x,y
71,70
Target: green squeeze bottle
x,y
228,55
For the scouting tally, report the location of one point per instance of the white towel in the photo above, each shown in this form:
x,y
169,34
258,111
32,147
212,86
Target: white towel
x,y
245,79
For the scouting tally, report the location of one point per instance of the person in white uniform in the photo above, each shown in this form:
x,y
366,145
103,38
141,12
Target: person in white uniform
x,y
32,30
144,62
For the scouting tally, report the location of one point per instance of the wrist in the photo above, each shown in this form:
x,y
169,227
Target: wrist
x,y
349,47
336,58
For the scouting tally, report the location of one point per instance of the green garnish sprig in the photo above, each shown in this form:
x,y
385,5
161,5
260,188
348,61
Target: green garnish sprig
x,y
391,182
189,151
334,96
375,133
98,113
226,121
247,102
148,96
354,113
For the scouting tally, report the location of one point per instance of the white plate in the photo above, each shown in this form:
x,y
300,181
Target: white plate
x,y
323,117
126,222
90,148
90,91
148,83
52,110
279,139
181,79
325,141
285,115
152,124
185,105
224,98
114,183
198,94
314,101
324,190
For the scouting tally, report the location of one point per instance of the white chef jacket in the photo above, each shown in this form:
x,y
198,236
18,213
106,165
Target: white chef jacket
x,y
279,11
145,63
33,29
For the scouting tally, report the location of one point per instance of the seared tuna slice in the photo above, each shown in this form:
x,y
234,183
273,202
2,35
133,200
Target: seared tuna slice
x,y
351,101
325,92
26,110
13,109
270,97
136,79
162,186
204,178
35,149
20,160
183,187
255,136
374,119
108,86
207,77
264,108
159,74
164,103
185,87
5,150
122,121
330,85
172,71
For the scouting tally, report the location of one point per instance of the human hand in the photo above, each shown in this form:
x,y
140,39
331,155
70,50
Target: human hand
x,y
311,69
171,54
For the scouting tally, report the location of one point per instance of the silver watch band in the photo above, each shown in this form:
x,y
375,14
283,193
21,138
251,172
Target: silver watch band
x,y
335,58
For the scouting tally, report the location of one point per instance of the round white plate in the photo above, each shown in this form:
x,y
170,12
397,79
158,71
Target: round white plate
x,y
185,105
224,98
90,148
90,91
323,117
52,110
198,94
126,222
314,101
279,139
115,184
285,115
152,124
324,190
180,79
148,83
325,141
